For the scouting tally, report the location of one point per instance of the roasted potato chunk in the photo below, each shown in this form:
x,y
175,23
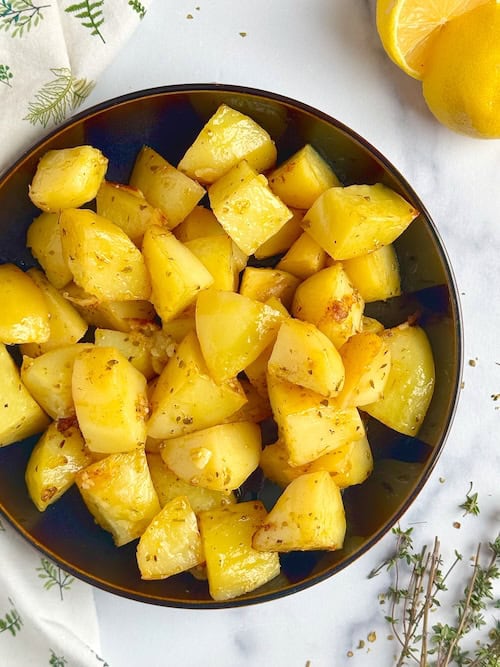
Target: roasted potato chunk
x,y
227,138
234,566
301,179
410,385
102,258
54,463
355,220
233,330
67,178
186,398
367,362
44,240
120,495
171,543
220,458
309,424
67,326
177,275
303,355
49,379
376,275
328,300
21,416
128,208
308,515
110,400
246,207
24,317
168,486
164,186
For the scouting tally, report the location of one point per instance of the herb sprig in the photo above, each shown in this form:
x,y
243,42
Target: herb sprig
x,y
419,579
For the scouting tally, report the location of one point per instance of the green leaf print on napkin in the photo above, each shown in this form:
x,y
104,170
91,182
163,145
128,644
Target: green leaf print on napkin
x,y
57,661
12,621
58,97
92,14
54,576
5,75
138,7
18,16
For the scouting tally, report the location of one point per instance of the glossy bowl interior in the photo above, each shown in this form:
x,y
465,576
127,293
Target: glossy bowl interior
x,y
168,119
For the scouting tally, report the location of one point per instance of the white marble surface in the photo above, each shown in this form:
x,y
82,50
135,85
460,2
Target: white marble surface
x,y
326,53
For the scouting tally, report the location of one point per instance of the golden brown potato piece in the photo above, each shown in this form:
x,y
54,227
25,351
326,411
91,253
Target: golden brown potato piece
x,y
110,400
127,207
233,330
177,275
353,221
186,398
102,258
168,486
227,138
171,543
48,378
54,463
246,207
67,326
164,186
309,424
120,495
410,385
234,567
67,178
301,179
20,415
220,458
303,355
24,315
44,240
308,515
328,300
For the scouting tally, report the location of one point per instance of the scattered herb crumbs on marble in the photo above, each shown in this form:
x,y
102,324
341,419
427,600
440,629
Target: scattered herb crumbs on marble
x,y
350,654
442,480
473,362
189,16
243,34
457,524
372,636
361,644
495,397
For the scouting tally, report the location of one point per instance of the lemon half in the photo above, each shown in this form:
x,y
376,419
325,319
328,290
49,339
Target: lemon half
x,y
462,77
408,28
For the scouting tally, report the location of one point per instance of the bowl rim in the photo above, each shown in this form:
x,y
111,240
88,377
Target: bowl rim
x,y
456,311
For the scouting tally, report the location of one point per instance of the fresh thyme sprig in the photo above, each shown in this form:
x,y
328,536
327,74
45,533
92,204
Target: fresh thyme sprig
x,y
419,578
470,506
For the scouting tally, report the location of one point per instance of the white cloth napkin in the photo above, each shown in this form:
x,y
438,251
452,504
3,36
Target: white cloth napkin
x,y
46,616
51,53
